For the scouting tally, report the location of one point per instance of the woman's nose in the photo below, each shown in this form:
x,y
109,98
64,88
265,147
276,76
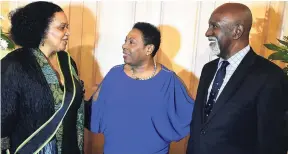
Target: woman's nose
x,y
124,46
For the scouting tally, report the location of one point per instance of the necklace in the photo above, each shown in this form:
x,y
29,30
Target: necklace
x,y
149,77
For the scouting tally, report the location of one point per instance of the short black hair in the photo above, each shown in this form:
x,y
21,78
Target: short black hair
x,y
151,35
29,24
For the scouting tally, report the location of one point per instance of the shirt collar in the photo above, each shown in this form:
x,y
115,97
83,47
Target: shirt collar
x,y
235,60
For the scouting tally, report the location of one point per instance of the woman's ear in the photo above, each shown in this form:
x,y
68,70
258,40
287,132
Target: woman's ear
x,y
150,49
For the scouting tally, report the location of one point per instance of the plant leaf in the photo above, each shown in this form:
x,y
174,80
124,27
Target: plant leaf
x,y
274,47
279,56
11,44
285,38
285,69
283,42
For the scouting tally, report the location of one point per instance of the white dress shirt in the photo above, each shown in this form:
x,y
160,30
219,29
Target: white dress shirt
x,y
234,61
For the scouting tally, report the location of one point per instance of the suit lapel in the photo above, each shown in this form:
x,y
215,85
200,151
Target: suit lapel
x,y
233,83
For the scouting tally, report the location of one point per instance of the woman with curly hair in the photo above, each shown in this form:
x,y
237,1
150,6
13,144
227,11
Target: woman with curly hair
x,y
42,109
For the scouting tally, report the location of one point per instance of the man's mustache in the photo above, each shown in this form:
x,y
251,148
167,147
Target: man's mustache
x,y
212,38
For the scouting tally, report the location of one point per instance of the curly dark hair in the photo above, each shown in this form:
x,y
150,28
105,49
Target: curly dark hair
x,y
150,35
30,23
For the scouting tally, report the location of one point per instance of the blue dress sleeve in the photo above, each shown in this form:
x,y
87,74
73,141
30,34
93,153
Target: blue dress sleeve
x,y
172,121
98,106
97,109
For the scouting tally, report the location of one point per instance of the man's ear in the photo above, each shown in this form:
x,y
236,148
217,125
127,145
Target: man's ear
x,y
238,31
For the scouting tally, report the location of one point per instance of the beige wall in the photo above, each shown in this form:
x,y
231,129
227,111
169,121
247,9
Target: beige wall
x,y
98,30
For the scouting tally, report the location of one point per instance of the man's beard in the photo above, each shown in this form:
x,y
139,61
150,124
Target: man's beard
x,y
214,46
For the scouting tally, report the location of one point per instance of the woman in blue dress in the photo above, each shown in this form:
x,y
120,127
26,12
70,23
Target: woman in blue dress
x,y
141,106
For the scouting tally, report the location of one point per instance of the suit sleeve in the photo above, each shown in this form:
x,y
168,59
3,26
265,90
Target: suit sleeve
x,y
271,107
197,110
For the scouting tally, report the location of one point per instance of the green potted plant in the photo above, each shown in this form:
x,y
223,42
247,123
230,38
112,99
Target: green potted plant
x,y
6,44
280,52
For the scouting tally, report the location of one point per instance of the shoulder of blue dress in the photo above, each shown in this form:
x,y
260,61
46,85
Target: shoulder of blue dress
x,y
165,69
171,73
117,66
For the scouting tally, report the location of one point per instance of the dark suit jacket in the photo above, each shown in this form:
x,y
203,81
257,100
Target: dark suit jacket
x,y
248,116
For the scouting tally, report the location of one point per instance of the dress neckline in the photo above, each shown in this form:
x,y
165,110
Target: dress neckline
x,y
153,78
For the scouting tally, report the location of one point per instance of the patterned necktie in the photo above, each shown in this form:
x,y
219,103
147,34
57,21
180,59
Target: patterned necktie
x,y
219,78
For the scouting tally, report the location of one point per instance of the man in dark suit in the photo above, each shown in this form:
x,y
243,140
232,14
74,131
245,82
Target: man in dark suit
x,y
242,97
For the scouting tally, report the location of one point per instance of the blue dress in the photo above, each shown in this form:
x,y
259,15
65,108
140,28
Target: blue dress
x,y
141,116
